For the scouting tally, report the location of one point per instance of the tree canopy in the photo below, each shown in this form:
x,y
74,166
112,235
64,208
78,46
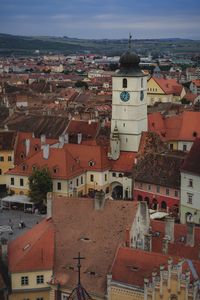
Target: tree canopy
x,y
40,183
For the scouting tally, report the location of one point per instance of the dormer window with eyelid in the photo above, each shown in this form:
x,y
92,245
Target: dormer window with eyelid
x,y
55,170
91,163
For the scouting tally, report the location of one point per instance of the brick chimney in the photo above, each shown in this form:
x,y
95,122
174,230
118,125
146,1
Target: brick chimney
x,y
190,234
27,146
165,245
169,228
79,136
49,204
99,200
46,151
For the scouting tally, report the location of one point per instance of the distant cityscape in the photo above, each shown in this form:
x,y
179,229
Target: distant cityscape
x,y
99,169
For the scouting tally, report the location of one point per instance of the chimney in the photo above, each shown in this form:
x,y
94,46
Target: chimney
x,y
46,151
43,139
89,122
61,141
49,204
27,145
165,245
169,228
66,138
4,250
79,138
148,242
190,234
99,200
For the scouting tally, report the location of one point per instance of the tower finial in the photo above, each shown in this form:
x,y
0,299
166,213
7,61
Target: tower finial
x,y
129,42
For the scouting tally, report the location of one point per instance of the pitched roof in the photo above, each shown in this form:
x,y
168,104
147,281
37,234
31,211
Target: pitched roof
x,y
125,163
34,250
179,247
131,265
95,234
159,169
182,127
51,126
61,164
192,161
87,128
169,86
90,153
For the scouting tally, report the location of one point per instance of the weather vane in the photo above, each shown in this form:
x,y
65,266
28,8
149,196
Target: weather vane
x,y
129,42
79,266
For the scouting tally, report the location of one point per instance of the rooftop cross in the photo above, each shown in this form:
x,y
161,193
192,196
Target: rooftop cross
x,y
79,266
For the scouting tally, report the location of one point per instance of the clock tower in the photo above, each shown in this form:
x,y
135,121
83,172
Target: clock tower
x,y
129,104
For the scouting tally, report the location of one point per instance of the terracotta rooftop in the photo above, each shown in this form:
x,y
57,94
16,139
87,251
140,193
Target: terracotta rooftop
x,y
182,127
125,163
95,234
131,266
61,164
179,247
192,161
169,86
88,129
34,250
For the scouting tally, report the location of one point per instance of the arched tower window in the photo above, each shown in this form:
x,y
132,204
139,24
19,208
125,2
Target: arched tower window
x,y
125,83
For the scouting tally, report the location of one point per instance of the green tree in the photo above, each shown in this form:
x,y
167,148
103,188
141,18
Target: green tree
x,y
81,84
40,183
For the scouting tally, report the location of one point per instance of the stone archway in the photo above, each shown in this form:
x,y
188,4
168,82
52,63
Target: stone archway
x,y
117,190
147,200
139,198
164,205
154,204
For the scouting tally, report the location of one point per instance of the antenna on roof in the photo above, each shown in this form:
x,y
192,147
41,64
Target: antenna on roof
x,y
79,267
129,42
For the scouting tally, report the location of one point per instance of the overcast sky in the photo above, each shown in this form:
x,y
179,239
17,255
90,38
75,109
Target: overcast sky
x,y
102,18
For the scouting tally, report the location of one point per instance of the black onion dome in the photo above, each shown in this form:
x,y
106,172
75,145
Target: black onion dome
x,y
129,60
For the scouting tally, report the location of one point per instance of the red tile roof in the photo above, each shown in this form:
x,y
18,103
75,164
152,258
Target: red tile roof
x,y
182,127
95,234
178,248
131,266
34,250
60,159
87,128
125,163
169,86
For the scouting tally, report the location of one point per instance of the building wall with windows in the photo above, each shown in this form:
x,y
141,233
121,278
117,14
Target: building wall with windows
x,y
6,163
30,285
158,197
17,184
190,195
97,181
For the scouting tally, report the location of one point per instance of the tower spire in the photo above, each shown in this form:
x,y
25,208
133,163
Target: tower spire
x,y
129,42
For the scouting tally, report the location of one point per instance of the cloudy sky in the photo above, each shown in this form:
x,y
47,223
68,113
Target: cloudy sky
x,y
102,18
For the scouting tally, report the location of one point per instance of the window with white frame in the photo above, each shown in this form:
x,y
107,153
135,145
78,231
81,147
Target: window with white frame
x,y
24,280
40,279
190,183
189,198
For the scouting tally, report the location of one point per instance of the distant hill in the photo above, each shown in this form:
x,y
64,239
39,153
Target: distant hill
x,y
27,45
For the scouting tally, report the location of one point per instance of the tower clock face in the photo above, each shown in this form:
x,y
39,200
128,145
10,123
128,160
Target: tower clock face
x,y
125,96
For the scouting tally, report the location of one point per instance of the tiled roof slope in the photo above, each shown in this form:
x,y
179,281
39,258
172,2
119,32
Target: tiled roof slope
x,y
182,127
192,162
34,250
95,234
125,163
7,140
179,247
60,160
131,266
51,126
160,169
